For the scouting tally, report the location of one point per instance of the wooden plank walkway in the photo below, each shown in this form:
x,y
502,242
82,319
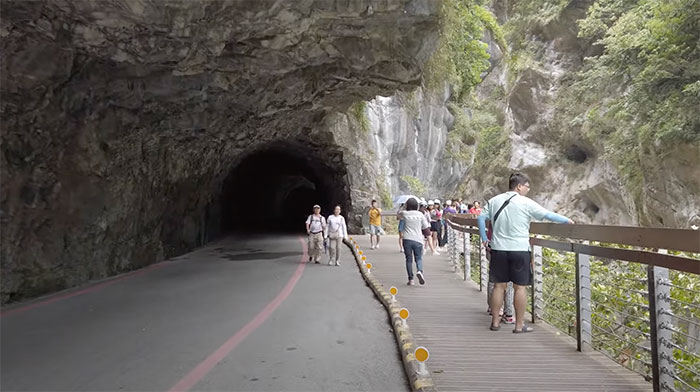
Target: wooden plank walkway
x,y
448,316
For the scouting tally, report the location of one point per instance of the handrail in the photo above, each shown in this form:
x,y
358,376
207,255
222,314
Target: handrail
x,y
650,248
648,237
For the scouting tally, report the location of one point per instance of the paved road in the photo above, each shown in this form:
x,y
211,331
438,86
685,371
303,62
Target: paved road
x,y
238,314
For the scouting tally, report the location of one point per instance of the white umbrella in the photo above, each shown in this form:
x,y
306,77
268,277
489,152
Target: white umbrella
x,y
403,198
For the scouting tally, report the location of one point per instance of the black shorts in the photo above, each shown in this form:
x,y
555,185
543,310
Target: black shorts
x,y
510,266
434,226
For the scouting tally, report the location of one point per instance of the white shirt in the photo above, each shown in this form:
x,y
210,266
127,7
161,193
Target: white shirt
x,y
316,223
337,224
512,228
414,223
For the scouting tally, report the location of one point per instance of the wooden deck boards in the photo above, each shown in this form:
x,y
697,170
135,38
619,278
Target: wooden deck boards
x,y
448,316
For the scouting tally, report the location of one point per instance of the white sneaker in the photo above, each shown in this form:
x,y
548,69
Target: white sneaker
x,y
421,279
371,247
337,263
436,253
330,262
376,246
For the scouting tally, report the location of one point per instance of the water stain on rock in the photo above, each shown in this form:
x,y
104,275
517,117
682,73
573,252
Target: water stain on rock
x,y
291,348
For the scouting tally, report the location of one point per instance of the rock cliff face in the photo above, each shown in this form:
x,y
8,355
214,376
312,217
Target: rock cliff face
x,y
127,124
569,175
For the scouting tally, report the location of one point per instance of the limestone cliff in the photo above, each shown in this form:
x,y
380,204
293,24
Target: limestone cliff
x,y
519,100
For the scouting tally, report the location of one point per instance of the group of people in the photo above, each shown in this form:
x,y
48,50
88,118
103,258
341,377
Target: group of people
x,y
326,232
423,224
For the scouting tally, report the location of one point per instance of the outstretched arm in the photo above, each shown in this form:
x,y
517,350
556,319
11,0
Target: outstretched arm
x,y
554,217
481,221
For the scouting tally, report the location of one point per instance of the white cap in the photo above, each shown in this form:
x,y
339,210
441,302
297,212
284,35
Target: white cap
x,y
430,202
437,201
448,202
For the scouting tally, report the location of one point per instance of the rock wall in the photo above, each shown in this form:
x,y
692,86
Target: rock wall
x,y
121,119
569,174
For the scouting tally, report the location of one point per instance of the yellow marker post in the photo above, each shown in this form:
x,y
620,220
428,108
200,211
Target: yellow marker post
x,y
364,259
404,313
422,355
369,267
360,253
352,239
393,291
357,246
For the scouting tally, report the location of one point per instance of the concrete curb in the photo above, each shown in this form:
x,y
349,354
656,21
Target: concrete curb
x,y
404,338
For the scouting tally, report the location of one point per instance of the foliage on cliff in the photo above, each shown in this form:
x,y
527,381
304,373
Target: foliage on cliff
x,y
461,58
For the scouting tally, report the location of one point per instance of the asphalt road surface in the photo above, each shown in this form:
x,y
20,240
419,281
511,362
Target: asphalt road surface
x,y
239,314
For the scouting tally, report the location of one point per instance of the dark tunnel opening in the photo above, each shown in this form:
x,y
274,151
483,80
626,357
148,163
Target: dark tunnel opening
x,y
274,190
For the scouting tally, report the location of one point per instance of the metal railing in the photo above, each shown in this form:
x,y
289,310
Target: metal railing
x,y
624,298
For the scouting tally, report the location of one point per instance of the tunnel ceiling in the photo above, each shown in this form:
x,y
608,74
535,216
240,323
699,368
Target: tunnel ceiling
x,y
122,119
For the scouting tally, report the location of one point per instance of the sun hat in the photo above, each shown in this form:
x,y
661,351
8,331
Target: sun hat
x,y
430,202
437,201
448,202
317,206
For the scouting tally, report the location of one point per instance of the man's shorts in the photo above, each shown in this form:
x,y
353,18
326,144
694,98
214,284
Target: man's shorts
x,y
375,230
510,266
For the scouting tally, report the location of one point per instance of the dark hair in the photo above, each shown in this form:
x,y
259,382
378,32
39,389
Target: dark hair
x,y
476,201
411,204
470,206
374,201
517,179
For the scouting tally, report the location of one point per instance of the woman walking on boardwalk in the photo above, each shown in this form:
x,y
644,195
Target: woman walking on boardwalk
x,y
337,231
414,224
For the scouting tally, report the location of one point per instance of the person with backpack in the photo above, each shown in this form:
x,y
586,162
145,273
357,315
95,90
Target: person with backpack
x,y
510,214
415,228
316,227
337,231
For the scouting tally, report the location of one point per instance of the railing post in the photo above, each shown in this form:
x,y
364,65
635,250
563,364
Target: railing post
x,y
467,245
583,302
537,301
483,278
452,245
660,336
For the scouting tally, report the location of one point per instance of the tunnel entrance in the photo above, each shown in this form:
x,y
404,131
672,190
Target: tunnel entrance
x,y
274,189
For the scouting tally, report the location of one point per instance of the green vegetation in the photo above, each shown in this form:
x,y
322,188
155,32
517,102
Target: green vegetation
x,y
358,112
620,311
461,57
384,194
415,185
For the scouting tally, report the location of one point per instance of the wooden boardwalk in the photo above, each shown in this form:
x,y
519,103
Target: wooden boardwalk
x,y
448,316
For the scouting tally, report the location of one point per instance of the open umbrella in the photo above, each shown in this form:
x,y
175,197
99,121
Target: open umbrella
x,y
403,198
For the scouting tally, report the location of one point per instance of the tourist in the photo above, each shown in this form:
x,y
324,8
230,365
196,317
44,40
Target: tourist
x,y
415,224
449,209
510,245
476,209
337,231
315,227
401,225
375,225
435,216
428,241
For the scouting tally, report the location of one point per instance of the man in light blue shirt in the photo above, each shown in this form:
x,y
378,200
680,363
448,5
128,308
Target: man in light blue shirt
x,y
510,214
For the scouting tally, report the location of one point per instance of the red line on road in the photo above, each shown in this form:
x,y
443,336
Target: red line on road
x,y
196,374
87,290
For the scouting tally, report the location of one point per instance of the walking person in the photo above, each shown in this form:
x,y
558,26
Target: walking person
x,y
435,216
399,218
315,227
415,224
428,241
337,231
375,225
510,214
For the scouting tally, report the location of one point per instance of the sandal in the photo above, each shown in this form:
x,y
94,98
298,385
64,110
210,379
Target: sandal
x,y
524,329
495,327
